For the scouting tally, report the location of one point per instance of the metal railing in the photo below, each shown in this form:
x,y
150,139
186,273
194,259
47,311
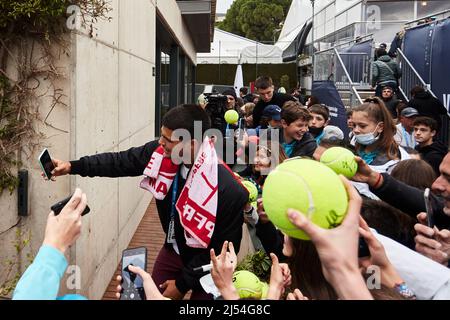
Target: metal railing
x,y
357,64
437,16
410,77
351,85
342,68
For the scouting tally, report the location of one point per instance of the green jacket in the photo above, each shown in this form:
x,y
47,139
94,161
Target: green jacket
x,y
384,70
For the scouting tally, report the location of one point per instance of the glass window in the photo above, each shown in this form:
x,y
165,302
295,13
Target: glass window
x,y
189,82
319,32
394,10
341,21
426,8
165,81
329,26
320,18
354,14
330,12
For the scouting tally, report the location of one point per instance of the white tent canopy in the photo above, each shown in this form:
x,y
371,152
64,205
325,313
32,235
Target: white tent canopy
x,y
299,12
229,48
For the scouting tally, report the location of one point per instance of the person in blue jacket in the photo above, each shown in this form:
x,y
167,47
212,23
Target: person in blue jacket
x,y
42,278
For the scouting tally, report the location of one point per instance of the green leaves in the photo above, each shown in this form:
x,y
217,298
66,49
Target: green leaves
x,y
46,16
256,19
40,14
259,263
24,23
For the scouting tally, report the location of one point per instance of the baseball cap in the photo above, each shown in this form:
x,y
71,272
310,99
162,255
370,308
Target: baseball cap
x,y
332,133
409,112
272,111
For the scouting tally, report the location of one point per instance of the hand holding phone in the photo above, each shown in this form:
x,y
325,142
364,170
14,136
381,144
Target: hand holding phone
x,y
57,207
363,248
429,208
46,163
133,284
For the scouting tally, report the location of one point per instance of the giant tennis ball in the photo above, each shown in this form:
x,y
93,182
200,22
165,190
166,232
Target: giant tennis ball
x,y
264,290
247,284
340,160
231,116
252,190
309,187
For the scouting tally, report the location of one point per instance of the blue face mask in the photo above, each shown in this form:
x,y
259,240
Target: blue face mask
x,y
367,139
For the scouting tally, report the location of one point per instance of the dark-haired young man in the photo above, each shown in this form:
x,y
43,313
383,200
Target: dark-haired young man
x,y
431,151
174,265
267,96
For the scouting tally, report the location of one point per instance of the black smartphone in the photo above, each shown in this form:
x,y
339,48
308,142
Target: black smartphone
x,y
46,163
57,207
132,284
429,208
363,248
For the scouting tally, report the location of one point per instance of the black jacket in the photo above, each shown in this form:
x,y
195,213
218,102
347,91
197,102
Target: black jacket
x,y
271,239
232,198
391,105
410,200
433,154
278,99
304,147
428,106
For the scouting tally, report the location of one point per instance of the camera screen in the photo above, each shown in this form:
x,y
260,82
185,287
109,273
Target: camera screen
x,y
129,277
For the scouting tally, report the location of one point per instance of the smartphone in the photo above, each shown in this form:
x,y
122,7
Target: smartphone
x,y
46,163
132,284
428,208
57,207
363,248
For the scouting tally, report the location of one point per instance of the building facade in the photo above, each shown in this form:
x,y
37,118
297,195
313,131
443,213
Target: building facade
x,y
114,98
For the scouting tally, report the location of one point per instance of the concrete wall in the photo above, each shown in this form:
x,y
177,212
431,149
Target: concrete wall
x,y
171,16
115,106
109,90
42,194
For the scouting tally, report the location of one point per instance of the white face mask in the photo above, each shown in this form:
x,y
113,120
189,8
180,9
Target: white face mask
x,y
367,139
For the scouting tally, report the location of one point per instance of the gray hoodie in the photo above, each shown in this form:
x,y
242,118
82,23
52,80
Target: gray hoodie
x,y
384,70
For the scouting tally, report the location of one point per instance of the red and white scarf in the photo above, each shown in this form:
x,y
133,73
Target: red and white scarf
x,y
197,204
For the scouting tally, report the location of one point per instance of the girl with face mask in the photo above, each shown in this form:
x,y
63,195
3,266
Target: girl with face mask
x,y
374,132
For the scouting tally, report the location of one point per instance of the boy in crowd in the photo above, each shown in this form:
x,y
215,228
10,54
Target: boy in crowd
x,y
294,136
431,151
320,119
389,99
265,89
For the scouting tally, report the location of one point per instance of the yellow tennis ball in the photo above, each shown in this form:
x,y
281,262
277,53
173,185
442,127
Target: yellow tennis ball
x,y
264,290
309,187
247,284
231,116
252,190
340,160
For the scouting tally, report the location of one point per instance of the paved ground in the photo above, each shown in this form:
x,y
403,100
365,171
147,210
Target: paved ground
x,y
148,234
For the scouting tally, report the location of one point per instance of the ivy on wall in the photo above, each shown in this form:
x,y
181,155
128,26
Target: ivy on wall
x,y
29,32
